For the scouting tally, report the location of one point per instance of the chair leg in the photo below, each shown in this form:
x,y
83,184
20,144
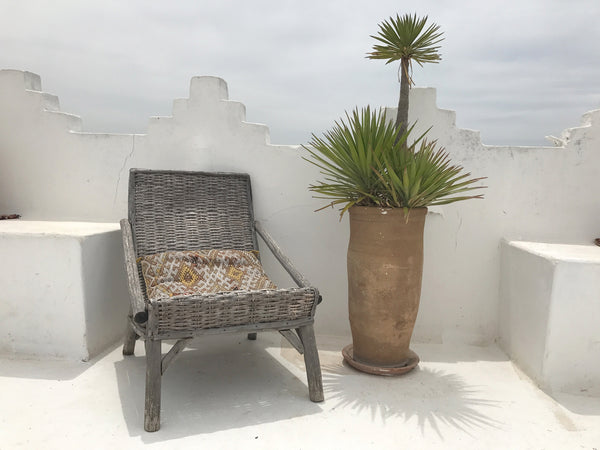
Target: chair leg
x,y
153,382
130,338
251,336
311,360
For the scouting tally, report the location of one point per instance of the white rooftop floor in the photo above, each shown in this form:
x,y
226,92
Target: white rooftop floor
x,y
230,393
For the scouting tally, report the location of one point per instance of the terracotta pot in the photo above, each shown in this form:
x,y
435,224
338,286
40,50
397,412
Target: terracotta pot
x,y
385,266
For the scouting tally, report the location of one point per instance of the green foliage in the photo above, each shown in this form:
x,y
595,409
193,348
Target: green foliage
x,y
406,38
364,165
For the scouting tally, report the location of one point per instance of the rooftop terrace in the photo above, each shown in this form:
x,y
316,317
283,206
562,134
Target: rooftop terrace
x,y
511,290
227,392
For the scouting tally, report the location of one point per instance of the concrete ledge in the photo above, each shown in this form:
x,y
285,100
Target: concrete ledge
x,y
63,291
549,310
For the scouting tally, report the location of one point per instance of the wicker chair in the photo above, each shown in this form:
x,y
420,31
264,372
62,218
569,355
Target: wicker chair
x,y
175,211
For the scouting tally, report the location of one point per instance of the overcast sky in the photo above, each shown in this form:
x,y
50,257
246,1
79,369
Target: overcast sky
x,y
515,70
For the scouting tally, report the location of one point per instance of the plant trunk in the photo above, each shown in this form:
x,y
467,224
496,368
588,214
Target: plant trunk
x,y
402,115
385,265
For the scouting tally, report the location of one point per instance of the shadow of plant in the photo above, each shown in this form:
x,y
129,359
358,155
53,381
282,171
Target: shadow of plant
x,y
431,397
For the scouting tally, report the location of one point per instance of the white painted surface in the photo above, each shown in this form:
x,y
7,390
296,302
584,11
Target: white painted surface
x,y
573,362
63,290
549,310
253,395
526,291
49,170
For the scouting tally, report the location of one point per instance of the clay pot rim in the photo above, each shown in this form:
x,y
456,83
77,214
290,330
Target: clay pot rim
x,y
385,208
378,211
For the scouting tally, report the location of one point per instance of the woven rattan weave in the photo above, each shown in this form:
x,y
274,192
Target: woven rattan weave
x,y
180,210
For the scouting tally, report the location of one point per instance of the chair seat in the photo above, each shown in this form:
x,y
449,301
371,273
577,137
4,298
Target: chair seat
x,y
188,315
185,273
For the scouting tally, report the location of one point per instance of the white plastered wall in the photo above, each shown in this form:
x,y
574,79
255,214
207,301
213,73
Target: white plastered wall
x,y
50,170
64,293
550,304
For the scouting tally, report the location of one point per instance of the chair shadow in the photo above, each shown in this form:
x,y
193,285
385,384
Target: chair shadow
x,y
214,387
431,397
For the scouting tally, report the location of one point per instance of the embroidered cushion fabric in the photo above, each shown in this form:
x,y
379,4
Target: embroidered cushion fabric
x,y
172,274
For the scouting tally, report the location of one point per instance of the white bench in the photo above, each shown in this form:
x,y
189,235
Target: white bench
x,y
63,291
550,313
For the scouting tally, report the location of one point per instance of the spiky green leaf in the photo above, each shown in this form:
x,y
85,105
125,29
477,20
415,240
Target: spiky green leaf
x,y
364,164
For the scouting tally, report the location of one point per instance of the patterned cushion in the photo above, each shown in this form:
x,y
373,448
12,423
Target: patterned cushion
x,y
172,274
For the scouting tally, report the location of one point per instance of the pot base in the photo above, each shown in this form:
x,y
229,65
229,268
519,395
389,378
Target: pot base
x,y
410,364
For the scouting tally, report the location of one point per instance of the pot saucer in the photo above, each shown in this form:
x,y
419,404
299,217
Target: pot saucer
x,y
409,365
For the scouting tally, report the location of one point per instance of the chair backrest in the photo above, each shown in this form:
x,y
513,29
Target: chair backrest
x,y
178,210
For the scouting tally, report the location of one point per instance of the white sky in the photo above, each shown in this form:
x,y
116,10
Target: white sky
x,y
515,70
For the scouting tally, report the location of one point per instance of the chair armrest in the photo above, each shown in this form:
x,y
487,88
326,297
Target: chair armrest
x,y
298,278
138,305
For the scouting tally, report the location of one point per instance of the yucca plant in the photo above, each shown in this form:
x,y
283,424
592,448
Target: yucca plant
x,y
406,39
365,162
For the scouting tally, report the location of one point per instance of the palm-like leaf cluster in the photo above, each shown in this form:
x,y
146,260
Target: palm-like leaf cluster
x,y
364,165
405,37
